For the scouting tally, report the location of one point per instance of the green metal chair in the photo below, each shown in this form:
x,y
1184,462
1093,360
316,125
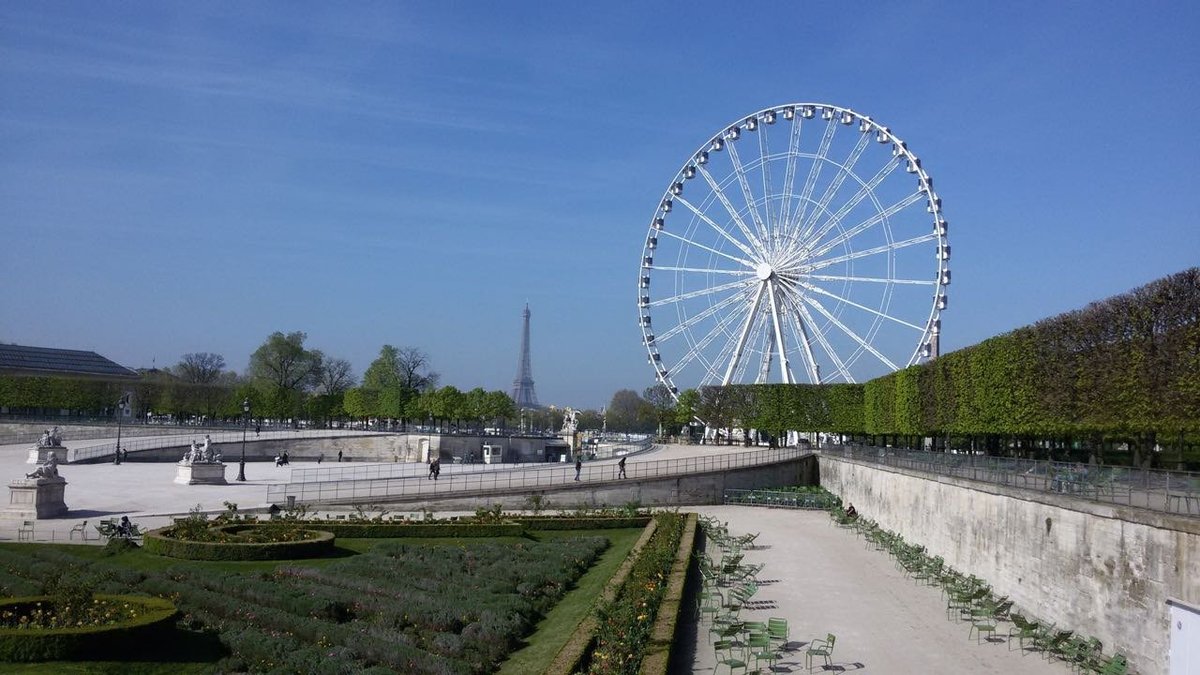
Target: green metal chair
x,y
777,629
759,646
822,648
727,653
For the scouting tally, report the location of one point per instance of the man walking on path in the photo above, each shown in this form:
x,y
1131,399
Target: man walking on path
x,y
578,466
621,468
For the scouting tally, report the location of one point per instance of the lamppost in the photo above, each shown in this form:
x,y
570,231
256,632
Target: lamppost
x,y
120,414
245,424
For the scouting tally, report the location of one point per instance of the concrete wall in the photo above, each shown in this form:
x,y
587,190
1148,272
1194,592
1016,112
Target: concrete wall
x,y
1097,569
699,488
373,448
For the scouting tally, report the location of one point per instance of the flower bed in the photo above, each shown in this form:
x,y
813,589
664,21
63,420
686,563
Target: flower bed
x,y
618,638
241,542
33,629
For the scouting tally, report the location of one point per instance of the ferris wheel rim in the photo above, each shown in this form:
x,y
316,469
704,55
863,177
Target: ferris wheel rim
x,y
755,252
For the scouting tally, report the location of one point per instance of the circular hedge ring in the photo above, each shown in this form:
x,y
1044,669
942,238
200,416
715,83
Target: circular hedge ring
x,y
315,544
156,618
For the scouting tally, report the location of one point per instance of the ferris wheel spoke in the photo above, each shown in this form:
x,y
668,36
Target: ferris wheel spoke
x,y
765,152
820,264
814,171
865,225
697,244
712,183
834,185
816,304
807,317
740,344
703,270
720,230
866,190
800,334
789,176
698,348
697,318
848,301
747,194
877,280
698,293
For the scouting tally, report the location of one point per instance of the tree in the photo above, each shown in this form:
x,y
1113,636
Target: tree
x,y
663,403
628,412
414,369
200,368
385,371
336,377
686,407
285,370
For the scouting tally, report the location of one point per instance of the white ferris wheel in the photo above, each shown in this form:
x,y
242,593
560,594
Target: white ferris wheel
x,y
802,243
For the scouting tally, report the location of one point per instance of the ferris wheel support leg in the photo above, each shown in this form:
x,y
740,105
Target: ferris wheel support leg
x,y
741,344
785,369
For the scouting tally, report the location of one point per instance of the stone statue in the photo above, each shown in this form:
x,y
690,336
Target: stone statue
x,y
206,452
570,420
191,455
51,438
47,470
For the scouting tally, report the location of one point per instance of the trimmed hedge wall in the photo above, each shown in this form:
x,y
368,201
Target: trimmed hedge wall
x,y
118,641
587,523
320,545
405,530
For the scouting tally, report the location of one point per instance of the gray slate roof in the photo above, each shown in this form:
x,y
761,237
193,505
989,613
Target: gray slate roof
x,y
22,360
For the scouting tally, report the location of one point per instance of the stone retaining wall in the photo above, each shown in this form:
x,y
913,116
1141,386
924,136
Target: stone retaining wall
x,y
698,488
1101,570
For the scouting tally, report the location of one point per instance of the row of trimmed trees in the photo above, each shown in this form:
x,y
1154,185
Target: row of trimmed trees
x,y
1123,370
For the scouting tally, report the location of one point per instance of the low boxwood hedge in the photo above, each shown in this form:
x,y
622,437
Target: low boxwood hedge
x,y
321,543
88,642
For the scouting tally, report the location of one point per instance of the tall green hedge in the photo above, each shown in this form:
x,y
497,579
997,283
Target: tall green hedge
x,y
1126,367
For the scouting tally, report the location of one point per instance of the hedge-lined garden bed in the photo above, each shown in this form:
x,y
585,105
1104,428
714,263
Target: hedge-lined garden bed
x,y
618,638
397,607
120,625
301,543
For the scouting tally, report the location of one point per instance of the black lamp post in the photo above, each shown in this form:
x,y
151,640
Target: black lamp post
x,y
245,424
120,413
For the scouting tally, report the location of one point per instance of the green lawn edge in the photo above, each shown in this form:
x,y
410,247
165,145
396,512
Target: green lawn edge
x,y
560,623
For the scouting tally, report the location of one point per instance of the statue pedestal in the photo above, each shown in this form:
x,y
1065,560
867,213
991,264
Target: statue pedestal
x,y
201,473
41,455
33,498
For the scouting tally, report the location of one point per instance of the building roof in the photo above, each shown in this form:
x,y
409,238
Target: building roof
x,y
22,360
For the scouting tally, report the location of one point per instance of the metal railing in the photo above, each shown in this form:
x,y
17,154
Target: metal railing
x,y
1167,491
783,499
218,437
457,479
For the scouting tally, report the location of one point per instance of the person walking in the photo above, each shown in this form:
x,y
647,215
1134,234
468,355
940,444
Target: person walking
x,y
339,455
431,468
578,466
437,468
621,468
320,458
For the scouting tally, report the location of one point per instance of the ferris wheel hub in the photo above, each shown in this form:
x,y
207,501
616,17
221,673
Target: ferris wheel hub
x,y
764,271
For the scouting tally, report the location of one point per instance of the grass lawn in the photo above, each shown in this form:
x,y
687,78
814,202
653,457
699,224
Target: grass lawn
x,y
555,629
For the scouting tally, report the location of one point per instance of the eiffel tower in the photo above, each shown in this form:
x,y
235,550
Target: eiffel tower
x,y
522,387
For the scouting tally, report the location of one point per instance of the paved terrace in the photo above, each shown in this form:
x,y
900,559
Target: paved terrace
x,y
824,579
147,493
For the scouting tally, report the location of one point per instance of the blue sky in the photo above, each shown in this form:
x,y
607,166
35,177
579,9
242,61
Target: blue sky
x,y
182,177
